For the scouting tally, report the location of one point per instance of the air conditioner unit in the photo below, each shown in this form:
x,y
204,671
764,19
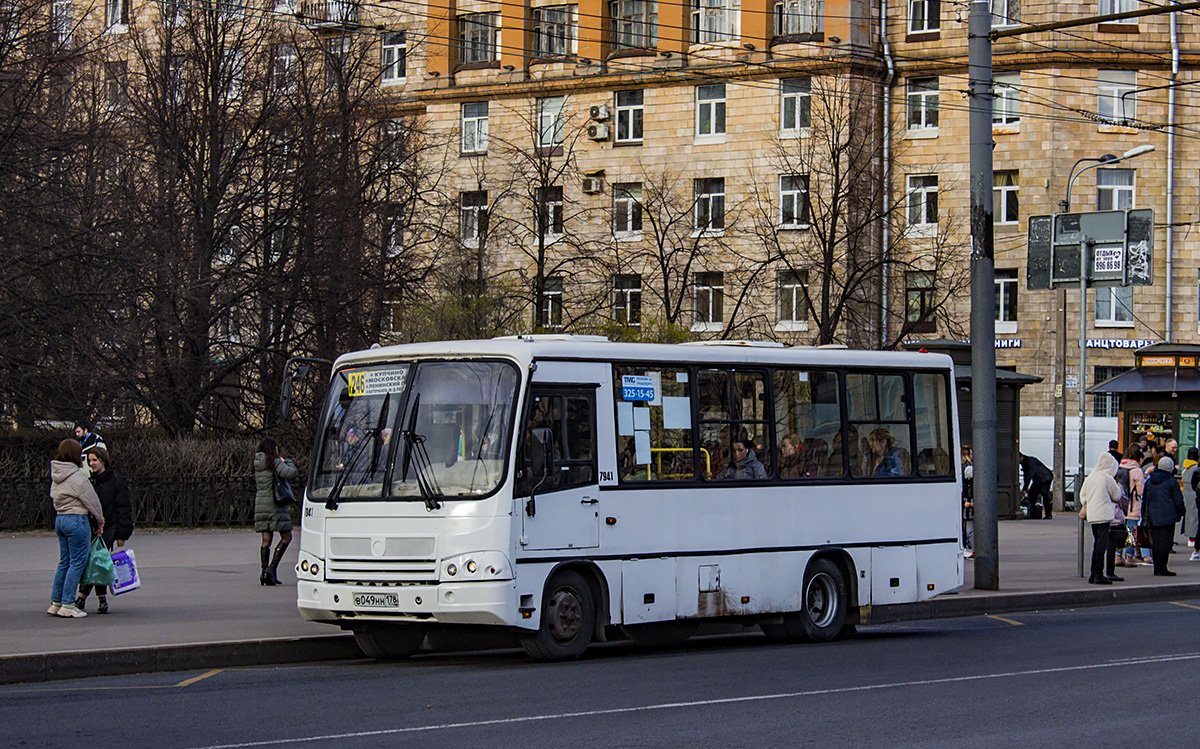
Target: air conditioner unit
x,y
599,112
599,131
592,185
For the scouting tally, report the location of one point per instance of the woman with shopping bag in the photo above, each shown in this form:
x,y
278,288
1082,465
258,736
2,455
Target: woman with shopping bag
x,y
74,500
113,493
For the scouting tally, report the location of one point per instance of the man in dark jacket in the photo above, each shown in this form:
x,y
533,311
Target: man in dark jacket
x,y
1114,449
1162,507
1038,481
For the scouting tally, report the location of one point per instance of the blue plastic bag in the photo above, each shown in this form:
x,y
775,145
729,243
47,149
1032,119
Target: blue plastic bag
x,y
99,570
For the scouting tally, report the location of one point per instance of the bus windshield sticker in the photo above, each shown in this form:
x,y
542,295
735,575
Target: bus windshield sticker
x,y
376,381
641,444
624,419
641,419
656,378
681,376
637,388
677,412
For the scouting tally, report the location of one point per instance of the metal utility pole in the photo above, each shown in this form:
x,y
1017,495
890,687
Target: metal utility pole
x,y
983,295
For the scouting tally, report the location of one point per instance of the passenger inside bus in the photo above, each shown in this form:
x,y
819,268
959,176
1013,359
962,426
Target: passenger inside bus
x,y
794,459
886,459
745,465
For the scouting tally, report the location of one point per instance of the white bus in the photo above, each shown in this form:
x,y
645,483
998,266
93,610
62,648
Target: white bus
x,y
572,489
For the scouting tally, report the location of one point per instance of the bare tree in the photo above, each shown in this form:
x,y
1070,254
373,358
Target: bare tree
x,y
822,224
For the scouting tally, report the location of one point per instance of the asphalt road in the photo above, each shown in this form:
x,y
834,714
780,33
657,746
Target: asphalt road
x,y
1121,675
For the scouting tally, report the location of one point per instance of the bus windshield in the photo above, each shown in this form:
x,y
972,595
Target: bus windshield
x,y
416,431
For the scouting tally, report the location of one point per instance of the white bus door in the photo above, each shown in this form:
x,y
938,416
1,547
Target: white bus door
x,y
560,505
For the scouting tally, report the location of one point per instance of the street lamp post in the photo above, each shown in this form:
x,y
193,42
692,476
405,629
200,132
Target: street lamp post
x,y
1060,409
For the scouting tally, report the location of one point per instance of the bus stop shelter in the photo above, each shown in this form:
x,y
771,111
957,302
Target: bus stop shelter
x,y
1160,395
1008,418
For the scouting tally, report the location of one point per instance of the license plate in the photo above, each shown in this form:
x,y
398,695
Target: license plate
x,y
377,600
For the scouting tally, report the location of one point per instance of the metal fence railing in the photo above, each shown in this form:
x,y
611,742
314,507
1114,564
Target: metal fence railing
x,y
190,502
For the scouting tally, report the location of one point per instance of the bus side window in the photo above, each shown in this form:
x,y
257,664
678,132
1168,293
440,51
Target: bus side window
x,y
932,416
569,421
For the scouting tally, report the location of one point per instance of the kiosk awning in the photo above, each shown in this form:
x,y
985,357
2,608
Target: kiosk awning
x,y
1170,380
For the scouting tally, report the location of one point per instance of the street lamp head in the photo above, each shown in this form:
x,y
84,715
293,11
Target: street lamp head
x,y
1138,151
1109,157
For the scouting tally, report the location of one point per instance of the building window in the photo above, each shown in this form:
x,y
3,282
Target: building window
x,y
478,36
1117,96
235,68
924,15
550,121
1006,297
117,15
710,299
629,116
283,66
795,105
627,299
627,210
64,22
1007,12
1114,189
710,110
793,299
919,302
634,24
116,78
922,103
715,21
1112,7
923,204
1114,304
336,53
475,127
710,204
799,17
1106,404
554,30
472,217
550,212
552,303
394,48
793,201
1007,205
1006,101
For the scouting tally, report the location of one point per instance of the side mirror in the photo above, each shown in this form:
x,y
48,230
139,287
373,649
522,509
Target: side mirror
x,y
541,453
291,374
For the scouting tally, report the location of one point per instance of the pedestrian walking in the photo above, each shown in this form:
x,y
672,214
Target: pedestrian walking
x,y
968,500
1188,479
1038,482
1099,497
1114,449
117,509
270,518
1162,507
74,500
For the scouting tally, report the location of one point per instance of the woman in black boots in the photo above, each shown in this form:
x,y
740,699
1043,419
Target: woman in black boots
x,y
269,517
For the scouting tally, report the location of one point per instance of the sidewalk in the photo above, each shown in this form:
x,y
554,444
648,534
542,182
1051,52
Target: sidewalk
x,y
201,604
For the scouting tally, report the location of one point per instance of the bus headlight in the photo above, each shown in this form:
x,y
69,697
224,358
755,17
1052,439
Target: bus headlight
x,y
477,565
308,567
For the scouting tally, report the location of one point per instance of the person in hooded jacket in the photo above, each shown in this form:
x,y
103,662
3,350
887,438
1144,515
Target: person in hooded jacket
x,y
269,517
1100,496
118,515
1162,507
74,500
745,465
1190,479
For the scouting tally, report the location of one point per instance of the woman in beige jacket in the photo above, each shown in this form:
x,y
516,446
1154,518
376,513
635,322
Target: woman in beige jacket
x,y
1100,495
74,500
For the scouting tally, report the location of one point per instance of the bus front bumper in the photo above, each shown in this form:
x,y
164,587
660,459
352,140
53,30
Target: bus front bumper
x,y
492,602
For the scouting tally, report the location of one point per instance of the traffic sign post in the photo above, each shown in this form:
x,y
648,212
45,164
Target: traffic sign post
x,y
1102,248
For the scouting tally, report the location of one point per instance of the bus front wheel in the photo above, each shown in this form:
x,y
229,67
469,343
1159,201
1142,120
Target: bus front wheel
x,y
824,601
389,641
568,620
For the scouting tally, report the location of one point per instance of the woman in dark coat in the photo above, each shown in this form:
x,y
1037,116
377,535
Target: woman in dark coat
x,y
269,517
1162,507
118,515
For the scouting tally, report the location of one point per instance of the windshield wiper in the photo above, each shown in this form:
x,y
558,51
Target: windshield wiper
x,y
419,457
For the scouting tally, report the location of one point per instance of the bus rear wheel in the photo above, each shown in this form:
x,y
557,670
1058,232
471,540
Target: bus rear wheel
x,y
568,620
389,641
823,612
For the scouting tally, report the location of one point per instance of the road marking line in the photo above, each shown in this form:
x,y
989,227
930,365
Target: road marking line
x,y
194,679
1013,622
705,703
1188,605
